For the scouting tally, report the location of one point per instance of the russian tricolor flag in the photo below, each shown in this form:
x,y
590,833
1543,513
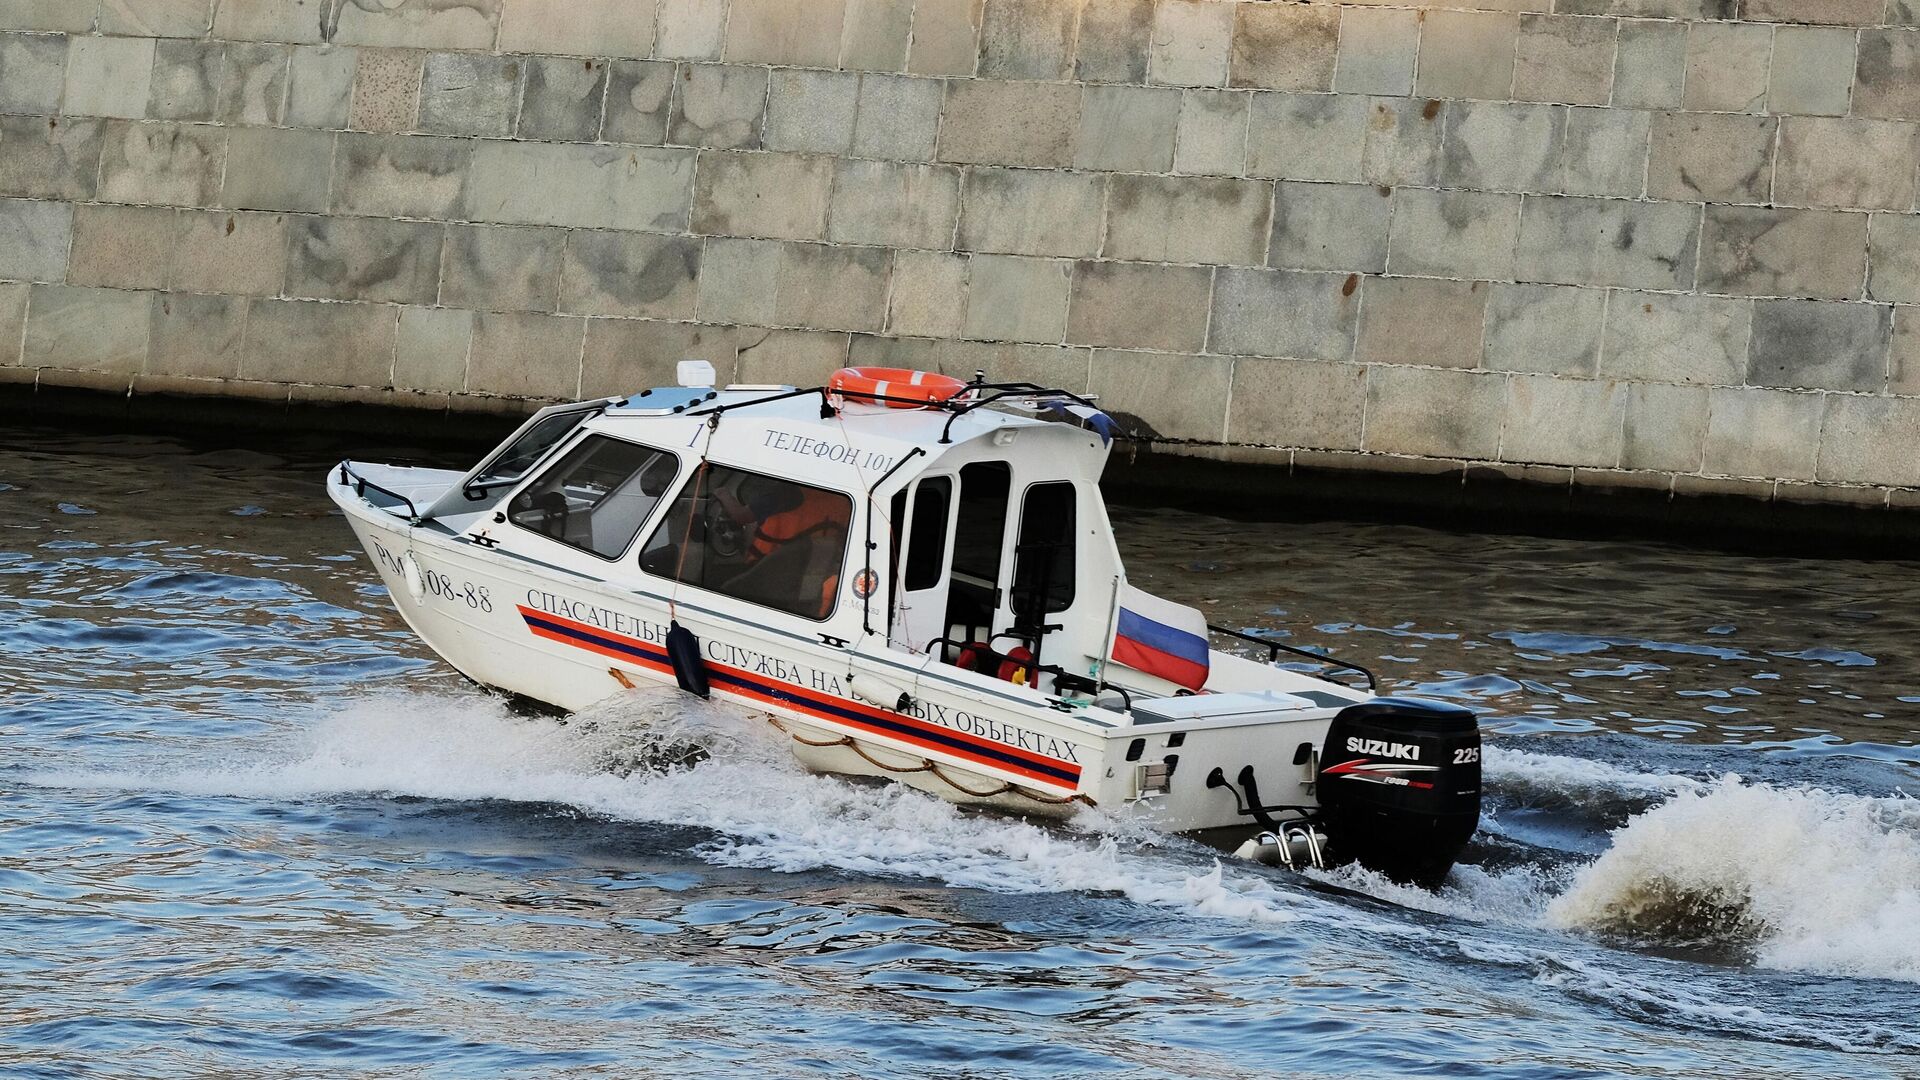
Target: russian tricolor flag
x,y
1161,638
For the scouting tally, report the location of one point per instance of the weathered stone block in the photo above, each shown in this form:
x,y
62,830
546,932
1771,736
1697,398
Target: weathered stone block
x,y
1127,128
1762,251
276,169
1606,152
587,186
386,89
1329,227
1402,142
929,293
1564,58
1190,44
1835,162
562,99
1377,47
470,94
1211,136
424,24
243,254
639,93
893,204
253,84
1829,12
1819,345
1870,440
691,30
399,175
813,112
629,274
1573,241
1162,396
739,281
522,355
718,105
108,76
185,83
1286,313
832,288
1659,337
1894,258
264,20
33,72
167,164
47,15
1665,428
50,158
122,247
1717,157
774,195
1812,72
1284,47
82,329
622,354
364,259
799,33
1557,421
320,86
793,357
1114,36
1309,403
1494,146
155,18
431,350
1422,321
1467,234
197,337
34,238
1188,219
1727,67
1020,212
501,268
946,35
897,118
1765,433
1887,78
1026,39
1014,298
1903,355
13,321
1553,329
1434,412
1136,305
580,27
1308,136
1010,123
1650,64
876,36
1467,54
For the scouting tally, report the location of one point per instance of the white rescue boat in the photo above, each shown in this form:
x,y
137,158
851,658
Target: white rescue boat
x,y
914,578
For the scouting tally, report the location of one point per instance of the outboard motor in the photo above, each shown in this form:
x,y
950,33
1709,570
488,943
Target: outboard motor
x,y
1399,786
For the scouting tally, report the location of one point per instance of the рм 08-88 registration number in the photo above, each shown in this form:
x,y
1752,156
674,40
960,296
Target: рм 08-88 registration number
x,y
435,583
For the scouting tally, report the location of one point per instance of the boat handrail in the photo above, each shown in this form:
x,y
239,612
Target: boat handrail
x,y
1062,678
361,484
955,407
1274,649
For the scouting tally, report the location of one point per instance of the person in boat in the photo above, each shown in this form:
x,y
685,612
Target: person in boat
x,y
782,516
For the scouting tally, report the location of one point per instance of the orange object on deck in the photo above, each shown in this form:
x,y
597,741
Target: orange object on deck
x,y
896,388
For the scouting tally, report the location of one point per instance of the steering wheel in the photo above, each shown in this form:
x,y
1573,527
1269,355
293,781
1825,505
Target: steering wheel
x,y
725,536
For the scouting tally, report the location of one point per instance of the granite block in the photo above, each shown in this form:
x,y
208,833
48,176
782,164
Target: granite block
x,y
615,28
1579,241
622,354
122,247
1434,412
1016,298
999,123
946,36
1402,144
894,204
276,169
1551,329
1819,345
424,24
1135,305
386,89
1826,12
396,262
1287,313
562,99
1211,136
1665,427
1565,58
81,329
1188,219
877,33
639,95
929,294
1113,42
783,196
1191,42
1161,395
1727,66
1127,129
1377,48
814,112
718,105
1556,421
796,33
1495,146
34,239
824,287
501,268
108,76
897,117
239,253
525,355
691,30
1309,136
1661,337
418,176
166,164
1426,321
470,94
49,157
1771,434
1870,440
185,83
1023,212
1764,251
33,72
1027,39
1650,64
634,275
739,280
1465,234
320,85
1715,157
1308,403
1329,227
154,18
1606,152
253,83
616,187
1894,258
1887,74
1812,72
1284,46
1467,54
13,320
793,357
430,350
197,337
1841,163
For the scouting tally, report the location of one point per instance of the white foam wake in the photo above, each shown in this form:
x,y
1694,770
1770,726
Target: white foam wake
x,y
766,811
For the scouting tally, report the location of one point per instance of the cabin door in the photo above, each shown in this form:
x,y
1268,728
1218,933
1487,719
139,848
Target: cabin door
x,y
926,539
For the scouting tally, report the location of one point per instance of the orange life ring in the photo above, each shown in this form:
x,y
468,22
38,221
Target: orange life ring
x,y
897,388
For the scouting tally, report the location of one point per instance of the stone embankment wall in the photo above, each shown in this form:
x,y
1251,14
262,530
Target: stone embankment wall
x,y
1644,243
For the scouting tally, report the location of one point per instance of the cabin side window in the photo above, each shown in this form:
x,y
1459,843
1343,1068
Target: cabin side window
x,y
524,452
927,540
1043,564
597,496
762,539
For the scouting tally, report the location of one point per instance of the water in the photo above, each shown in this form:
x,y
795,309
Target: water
x,y
248,826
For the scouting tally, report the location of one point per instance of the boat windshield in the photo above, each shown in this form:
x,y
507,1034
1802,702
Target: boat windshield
x,y
597,496
512,462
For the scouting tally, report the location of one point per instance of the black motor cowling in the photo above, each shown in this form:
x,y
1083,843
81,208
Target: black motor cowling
x,y
1399,786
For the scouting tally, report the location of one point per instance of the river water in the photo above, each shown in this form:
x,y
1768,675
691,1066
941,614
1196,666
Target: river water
x,y
249,826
